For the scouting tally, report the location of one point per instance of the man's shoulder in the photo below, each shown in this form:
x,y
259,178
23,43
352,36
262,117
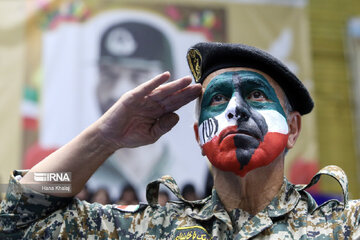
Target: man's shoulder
x,y
179,210
345,213
334,207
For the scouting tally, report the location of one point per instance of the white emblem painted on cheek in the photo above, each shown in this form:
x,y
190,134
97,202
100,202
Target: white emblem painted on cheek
x,y
211,127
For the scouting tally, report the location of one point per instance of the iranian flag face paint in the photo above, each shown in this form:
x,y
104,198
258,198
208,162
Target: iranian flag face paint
x,y
242,125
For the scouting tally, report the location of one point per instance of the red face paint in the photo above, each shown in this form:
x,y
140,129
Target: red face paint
x,y
222,154
273,145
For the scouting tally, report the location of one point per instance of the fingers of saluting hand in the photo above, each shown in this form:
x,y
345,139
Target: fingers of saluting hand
x,y
170,96
165,123
181,98
182,94
147,87
157,90
167,89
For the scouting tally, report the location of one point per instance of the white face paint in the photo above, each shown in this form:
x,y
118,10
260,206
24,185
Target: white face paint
x,y
275,121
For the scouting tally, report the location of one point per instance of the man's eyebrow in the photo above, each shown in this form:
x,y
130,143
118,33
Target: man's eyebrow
x,y
214,84
258,81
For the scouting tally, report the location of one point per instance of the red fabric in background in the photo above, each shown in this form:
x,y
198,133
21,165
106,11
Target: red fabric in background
x,y
35,154
301,172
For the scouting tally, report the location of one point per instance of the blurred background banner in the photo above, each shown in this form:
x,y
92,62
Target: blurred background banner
x,y
12,69
66,62
353,44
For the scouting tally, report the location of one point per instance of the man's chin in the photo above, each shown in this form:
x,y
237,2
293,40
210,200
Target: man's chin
x,y
233,167
225,157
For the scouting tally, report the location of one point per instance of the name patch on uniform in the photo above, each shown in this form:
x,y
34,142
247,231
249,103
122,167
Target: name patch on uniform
x,y
193,232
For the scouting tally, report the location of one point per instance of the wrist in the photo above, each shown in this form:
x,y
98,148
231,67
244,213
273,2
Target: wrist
x,y
101,141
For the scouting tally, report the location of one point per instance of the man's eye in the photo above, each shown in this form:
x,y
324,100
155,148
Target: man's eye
x,y
218,99
257,96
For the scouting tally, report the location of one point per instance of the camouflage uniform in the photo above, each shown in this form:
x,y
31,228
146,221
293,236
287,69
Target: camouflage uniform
x,y
292,214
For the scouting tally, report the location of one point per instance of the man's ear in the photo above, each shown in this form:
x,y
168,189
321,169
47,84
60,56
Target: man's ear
x,y
196,128
294,121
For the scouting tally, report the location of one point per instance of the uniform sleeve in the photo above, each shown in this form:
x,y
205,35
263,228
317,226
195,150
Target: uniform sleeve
x,y
28,214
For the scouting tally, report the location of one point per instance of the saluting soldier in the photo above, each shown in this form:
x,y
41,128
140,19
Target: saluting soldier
x,y
249,115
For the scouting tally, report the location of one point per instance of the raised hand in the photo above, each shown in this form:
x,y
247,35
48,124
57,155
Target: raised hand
x,y
144,114
139,117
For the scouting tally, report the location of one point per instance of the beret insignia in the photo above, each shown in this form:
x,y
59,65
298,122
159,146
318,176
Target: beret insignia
x,y
194,61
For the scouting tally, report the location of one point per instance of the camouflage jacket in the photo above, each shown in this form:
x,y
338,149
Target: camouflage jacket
x,y
292,214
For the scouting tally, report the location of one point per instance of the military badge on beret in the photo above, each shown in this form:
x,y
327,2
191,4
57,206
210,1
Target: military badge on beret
x,y
194,61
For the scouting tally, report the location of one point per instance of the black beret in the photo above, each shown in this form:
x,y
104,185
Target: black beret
x,y
207,57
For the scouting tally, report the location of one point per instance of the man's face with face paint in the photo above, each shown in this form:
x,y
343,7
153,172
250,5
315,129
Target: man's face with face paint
x,y
242,124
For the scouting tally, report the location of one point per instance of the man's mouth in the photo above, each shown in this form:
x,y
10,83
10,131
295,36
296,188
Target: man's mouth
x,y
233,131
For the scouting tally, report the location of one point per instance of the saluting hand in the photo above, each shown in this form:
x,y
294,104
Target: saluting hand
x,y
144,114
139,117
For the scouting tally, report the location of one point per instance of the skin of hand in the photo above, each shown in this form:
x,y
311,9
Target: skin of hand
x,y
143,115
139,117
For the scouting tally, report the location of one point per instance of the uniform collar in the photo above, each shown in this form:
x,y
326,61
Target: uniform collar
x,y
202,210
284,202
213,207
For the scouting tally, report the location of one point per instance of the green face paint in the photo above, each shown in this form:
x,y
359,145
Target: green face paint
x,y
253,81
221,84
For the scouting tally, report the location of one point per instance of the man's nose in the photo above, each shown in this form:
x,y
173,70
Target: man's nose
x,y
238,110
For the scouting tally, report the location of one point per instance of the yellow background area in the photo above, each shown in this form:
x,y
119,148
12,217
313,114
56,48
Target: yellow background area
x,y
270,25
332,90
12,72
